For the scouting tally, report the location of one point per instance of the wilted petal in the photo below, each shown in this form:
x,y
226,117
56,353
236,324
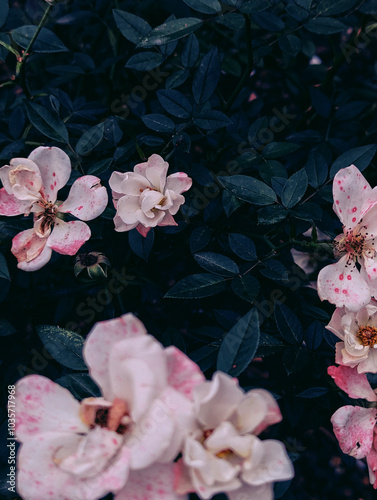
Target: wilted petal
x,y
10,205
353,428
179,182
27,246
26,182
100,342
87,199
217,399
55,167
43,406
37,263
183,374
342,285
355,384
68,237
154,483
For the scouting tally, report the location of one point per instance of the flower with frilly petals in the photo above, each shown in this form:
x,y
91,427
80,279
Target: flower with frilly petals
x,y
358,332
146,198
355,426
355,203
224,454
123,442
31,185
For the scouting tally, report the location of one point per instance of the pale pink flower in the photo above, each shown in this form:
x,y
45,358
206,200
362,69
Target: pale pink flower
x,y
355,426
355,203
358,332
146,198
127,438
224,454
31,185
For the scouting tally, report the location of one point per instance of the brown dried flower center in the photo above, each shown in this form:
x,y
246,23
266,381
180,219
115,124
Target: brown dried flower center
x,y
367,335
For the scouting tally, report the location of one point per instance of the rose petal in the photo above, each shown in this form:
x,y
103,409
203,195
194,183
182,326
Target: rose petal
x,y
134,184
87,199
37,263
100,342
183,374
127,208
353,428
256,411
143,230
335,325
68,237
355,384
150,200
27,246
55,167
10,205
116,180
25,181
369,365
372,466
335,286
168,220
121,226
154,170
179,182
28,165
263,492
154,483
42,406
217,399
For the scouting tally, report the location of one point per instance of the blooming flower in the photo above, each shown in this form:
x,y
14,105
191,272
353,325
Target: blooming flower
x,y
224,454
358,332
355,426
355,203
73,451
31,185
146,198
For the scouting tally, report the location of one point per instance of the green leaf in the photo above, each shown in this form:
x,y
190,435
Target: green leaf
x,y
239,345
272,215
216,263
325,26
100,167
4,272
140,245
211,120
313,392
274,270
200,237
288,324
80,385
170,31
247,287
177,78
174,103
268,345
314,335
329,7
294,189
278,149
90,139
63,345
268,21
46,41
242,246
204,6
251,6
145,61
159,123
296,358
4,10
5,47
360,157
290,44
190,52
316,169
47,123
132,27
6,328
206,76
197,286
249,189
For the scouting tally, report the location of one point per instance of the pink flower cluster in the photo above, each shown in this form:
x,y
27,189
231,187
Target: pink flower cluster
x,y
351,284
155,406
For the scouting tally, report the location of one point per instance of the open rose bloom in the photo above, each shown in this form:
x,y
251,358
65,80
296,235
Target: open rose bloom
x,y
224,454
146,198
31,185
355,426
358,332
355,203
126,439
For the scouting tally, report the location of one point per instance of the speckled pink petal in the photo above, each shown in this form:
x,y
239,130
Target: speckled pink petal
x,y
256,411
355,384
100,342
27,246
87,199
350,189
10,205
353,428
68,237
183,374
179,182
42,406
37,263
14,163
370,266
26,182
342,285
154,483
372,465
55,167
217,399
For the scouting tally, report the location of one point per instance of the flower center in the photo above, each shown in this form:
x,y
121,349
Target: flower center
x,y
98,412
367,335
352,243
47,216
221,454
